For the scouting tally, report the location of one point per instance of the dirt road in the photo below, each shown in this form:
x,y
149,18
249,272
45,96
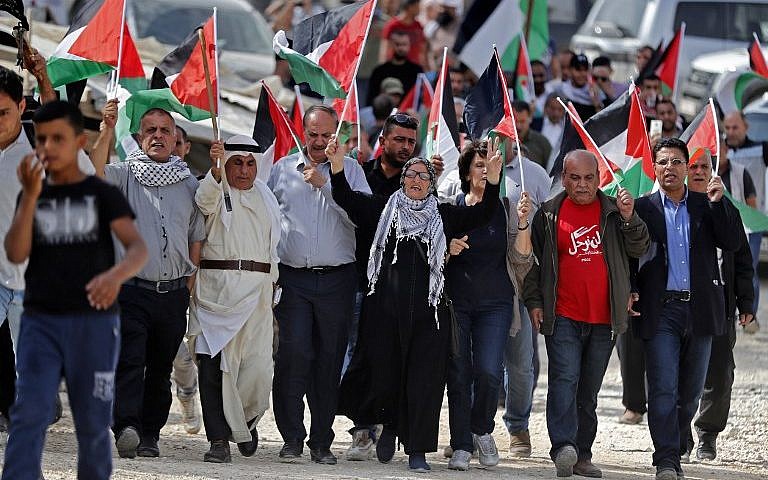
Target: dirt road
x,y
623,452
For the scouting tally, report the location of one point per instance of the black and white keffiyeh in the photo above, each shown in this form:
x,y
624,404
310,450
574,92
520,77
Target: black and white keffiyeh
x,y
155,174
412,219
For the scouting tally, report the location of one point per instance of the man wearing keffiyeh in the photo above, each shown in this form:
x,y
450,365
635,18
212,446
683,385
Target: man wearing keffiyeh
x,y
161,190
398,370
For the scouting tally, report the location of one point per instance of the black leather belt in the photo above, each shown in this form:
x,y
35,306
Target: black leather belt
x,y
163,286
249,265
321,270
679,295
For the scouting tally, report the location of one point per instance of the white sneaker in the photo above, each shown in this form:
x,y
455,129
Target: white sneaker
x,y
487,452
459,460
190,414
361,447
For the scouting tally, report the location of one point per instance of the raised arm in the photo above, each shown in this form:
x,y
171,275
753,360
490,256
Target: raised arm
x,y
100,151
18,241
35,63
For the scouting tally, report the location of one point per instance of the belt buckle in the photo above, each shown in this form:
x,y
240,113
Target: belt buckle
x,y
239,264
157,287
686,296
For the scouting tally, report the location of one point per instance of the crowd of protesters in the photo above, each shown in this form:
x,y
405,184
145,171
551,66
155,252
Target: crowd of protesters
x,y
354,280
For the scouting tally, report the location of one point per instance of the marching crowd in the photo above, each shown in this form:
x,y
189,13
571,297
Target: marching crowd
x,y
362,286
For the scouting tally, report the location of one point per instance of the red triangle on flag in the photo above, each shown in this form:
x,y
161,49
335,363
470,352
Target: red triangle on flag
x,y
189,86
100,39
667,68
603,164
638,143
297,118
703,132
756,58
506,126
285,135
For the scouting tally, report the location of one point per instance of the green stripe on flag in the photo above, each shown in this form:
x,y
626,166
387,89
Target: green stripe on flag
x,y
753,220
741,85
305,70
63,71
163,98
636,181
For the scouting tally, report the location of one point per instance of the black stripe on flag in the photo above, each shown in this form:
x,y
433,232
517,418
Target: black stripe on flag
x,y
263,128
474,19
485,103
322,28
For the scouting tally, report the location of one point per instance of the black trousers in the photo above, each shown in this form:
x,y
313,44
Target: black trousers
x,y
209,378
313,316
152,325
7,370
632,363
715,403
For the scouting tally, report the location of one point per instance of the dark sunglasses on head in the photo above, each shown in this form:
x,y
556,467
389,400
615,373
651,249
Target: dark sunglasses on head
x,y
404,120
422,175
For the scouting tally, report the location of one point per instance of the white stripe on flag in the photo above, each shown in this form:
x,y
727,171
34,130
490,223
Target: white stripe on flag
x,y
446,149
500,28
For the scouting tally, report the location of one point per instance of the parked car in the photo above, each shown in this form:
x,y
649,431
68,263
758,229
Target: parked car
x,y
618,28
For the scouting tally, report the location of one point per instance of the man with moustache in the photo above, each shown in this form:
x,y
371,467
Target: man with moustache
x,y
398,140
681,297
153,304
319,281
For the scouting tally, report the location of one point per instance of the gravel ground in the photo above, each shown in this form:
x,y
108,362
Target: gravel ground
x,y
622,451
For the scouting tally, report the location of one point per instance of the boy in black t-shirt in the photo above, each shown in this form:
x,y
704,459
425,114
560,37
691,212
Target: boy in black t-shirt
x,y
70,325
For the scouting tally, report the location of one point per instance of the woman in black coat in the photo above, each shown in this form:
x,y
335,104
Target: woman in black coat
x,y
398,371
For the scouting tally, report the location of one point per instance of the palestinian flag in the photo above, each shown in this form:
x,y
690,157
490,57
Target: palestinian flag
x,y
502,22
638,173
665,65
756,58
327,47
91,47
273,131
735,90
524,75
349,113
419,96
704,133
488,107
442,127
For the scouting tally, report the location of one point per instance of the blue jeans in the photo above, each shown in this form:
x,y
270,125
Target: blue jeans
x,y
11,306
578,356
83,348
676,363
474,376
754,248
519,376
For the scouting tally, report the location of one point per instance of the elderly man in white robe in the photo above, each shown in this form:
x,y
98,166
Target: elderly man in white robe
x,y
230,323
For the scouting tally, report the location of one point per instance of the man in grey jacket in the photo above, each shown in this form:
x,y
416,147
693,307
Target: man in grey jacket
x,y
577,295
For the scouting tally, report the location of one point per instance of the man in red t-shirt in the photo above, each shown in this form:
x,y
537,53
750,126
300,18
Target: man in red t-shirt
x,y
405,22
577,295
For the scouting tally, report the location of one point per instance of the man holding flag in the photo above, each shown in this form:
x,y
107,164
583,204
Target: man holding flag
x,y
577,297
681,297
160,189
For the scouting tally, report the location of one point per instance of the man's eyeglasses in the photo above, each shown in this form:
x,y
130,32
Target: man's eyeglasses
x,y
675,162
404,120
422,175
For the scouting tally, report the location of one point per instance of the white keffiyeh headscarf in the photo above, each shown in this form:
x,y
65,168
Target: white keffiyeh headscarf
x,y
156,174
412,219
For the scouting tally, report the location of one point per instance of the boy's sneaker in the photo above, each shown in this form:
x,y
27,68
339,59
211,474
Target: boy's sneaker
x,y
190,414
487,453
361,447
126,442
459,460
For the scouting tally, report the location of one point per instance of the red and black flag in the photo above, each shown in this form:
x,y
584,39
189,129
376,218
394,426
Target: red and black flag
x,y
273,131
756,58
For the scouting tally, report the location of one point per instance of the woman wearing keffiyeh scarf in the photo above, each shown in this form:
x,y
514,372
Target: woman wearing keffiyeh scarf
x,y
398,370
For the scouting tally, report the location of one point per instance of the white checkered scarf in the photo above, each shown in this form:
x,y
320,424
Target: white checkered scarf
x,y
412,219
156,174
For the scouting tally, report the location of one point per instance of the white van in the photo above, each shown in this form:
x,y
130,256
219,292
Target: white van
x,y
617,28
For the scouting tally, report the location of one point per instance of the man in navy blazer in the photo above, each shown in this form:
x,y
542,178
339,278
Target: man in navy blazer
x,y
681,299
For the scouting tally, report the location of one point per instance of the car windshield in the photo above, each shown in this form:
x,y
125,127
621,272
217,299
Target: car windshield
x,y
238,30
616,19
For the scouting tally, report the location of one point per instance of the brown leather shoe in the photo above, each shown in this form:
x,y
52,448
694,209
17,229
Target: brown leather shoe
x,y
631,417
585,468
520,444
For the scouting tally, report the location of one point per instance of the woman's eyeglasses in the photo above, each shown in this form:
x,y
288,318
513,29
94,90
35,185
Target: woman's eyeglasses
x,y
422,175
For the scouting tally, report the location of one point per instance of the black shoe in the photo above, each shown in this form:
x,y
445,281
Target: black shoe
x,y
218,453
148,447
247,449
291,451
385,445
707,449
126,442
322,455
